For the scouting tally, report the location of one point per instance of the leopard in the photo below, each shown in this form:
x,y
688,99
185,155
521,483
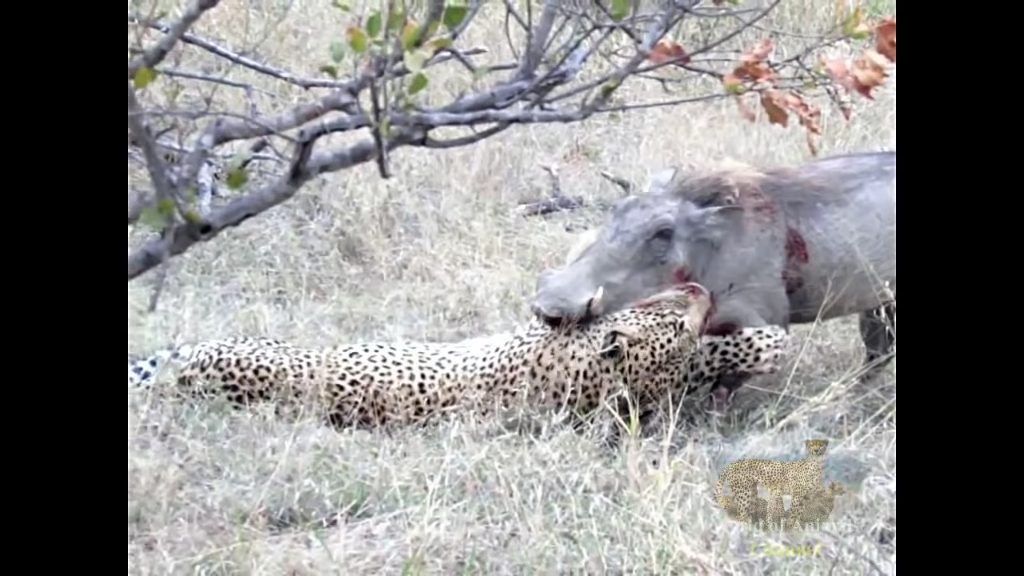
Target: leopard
x,y
798,479
758,514
817,509
818,506
648,350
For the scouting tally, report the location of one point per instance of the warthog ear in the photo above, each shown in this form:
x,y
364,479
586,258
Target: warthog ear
x,y
615,342
660,180
713,223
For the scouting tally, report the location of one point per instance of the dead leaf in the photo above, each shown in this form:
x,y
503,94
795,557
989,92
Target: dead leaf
x,y
836,69
668,50
755,71
809,116
885,38
752,63
839,71
868,72
732,82
773,103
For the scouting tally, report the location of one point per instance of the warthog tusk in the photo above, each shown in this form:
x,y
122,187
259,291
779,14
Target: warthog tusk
x,y
595,301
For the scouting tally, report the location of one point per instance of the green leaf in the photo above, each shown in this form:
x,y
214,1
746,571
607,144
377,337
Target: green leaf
x,y
409,36
144,76
357,39
165,206
415,60
237,178
438,43
453,16
337,52
373,24
395,20
481,71
608,87
619,9
192,216
330,70
418,82
152,218
854,27
343,5
385,127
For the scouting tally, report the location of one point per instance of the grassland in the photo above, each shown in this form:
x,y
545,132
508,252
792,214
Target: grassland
x,y
436,253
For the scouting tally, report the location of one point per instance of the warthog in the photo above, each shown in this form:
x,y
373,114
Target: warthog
x,y
774,246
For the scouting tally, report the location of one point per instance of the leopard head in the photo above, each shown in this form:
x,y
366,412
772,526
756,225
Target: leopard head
x,y
816,447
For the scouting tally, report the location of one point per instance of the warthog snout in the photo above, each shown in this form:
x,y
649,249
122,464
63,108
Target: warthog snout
x,y
556,311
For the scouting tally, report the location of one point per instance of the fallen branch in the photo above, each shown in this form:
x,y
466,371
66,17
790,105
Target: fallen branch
x,y
549,205
626,185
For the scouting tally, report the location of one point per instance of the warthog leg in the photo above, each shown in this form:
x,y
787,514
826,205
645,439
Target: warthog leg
x,y
878,331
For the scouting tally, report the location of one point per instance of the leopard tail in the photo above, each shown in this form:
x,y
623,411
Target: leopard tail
x,y
142,369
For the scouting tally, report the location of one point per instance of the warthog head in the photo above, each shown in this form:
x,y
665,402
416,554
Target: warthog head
x,y
648,244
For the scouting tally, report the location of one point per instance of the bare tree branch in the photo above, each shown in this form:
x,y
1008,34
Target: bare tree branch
x,y
303,168
555,77
233,57
157,53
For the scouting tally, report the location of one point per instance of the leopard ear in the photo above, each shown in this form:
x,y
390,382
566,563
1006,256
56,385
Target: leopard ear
x,y
614,344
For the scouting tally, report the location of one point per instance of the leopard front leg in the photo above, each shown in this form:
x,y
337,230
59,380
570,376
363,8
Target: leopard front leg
x,y
801,499
731,316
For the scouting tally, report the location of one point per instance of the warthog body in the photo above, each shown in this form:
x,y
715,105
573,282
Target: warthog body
x,y
774,246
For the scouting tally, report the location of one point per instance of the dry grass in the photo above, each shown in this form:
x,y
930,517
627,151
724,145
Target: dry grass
x,y
435,254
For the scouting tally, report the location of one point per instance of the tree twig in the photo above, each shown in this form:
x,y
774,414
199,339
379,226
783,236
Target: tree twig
x,y
174,32
553,80
626,185
234,57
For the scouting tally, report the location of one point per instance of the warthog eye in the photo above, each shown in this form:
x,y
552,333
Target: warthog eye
x,y
665,234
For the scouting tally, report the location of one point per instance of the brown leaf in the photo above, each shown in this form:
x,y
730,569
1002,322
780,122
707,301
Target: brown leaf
x,y
755,71
774,103
810,116
668,50
868,72
836,69
732,82
752,63
839,71
885,38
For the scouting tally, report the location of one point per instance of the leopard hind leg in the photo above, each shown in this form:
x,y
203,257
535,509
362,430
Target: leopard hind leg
x,y
775,514
745,502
